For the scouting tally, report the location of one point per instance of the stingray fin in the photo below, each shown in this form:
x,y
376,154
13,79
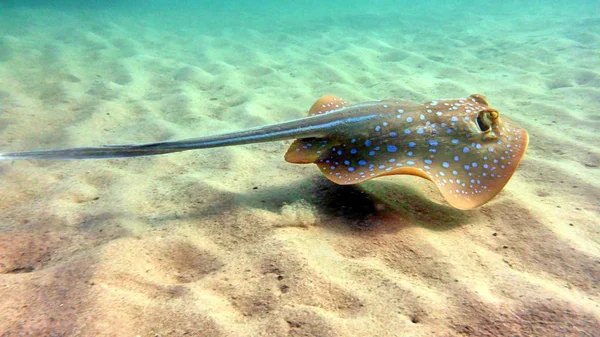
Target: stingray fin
x,y
343,175
305,151
308,150
326,104
464,189
472,192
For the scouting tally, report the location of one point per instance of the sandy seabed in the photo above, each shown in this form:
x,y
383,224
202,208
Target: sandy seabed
x,y
237,242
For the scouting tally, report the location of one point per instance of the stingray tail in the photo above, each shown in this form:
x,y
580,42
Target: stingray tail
x,y
309,127
101,152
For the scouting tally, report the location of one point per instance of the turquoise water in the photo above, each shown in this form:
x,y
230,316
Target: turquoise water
x,y
311,10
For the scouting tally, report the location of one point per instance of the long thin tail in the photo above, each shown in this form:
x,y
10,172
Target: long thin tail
x,y
107,151
264,134
315,126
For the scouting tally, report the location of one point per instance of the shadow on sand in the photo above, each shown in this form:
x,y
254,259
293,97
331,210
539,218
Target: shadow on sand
x,y
362,207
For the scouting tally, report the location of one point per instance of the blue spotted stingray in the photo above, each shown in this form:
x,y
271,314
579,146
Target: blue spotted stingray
x,y
462,145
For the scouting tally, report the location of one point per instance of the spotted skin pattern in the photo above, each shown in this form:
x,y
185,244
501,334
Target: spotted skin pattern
x,y
462,145
439,140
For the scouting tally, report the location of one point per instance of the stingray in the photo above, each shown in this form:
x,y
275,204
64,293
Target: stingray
x,y
462,145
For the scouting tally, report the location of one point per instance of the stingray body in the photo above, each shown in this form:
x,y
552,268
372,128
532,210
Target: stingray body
x,y
462,145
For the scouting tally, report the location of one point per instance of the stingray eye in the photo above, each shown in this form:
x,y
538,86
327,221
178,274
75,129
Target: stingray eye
x,y
483,121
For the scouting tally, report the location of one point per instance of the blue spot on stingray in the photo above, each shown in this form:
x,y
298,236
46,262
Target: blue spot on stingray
x,y
433,142
353,151
456,158
467,167
393,134
454,141
485,166
377,148
409,119
368,142
412,144
381,166
407,131
392,160
392,148
490,149
372,153
410,162
449,131
474,164
377,128
455,173
362,162
346,162
350,169
410,153
428,161
465,149
353,140
339,152
420,131
445,164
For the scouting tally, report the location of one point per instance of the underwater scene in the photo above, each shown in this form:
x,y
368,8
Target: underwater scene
x,y
300,168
